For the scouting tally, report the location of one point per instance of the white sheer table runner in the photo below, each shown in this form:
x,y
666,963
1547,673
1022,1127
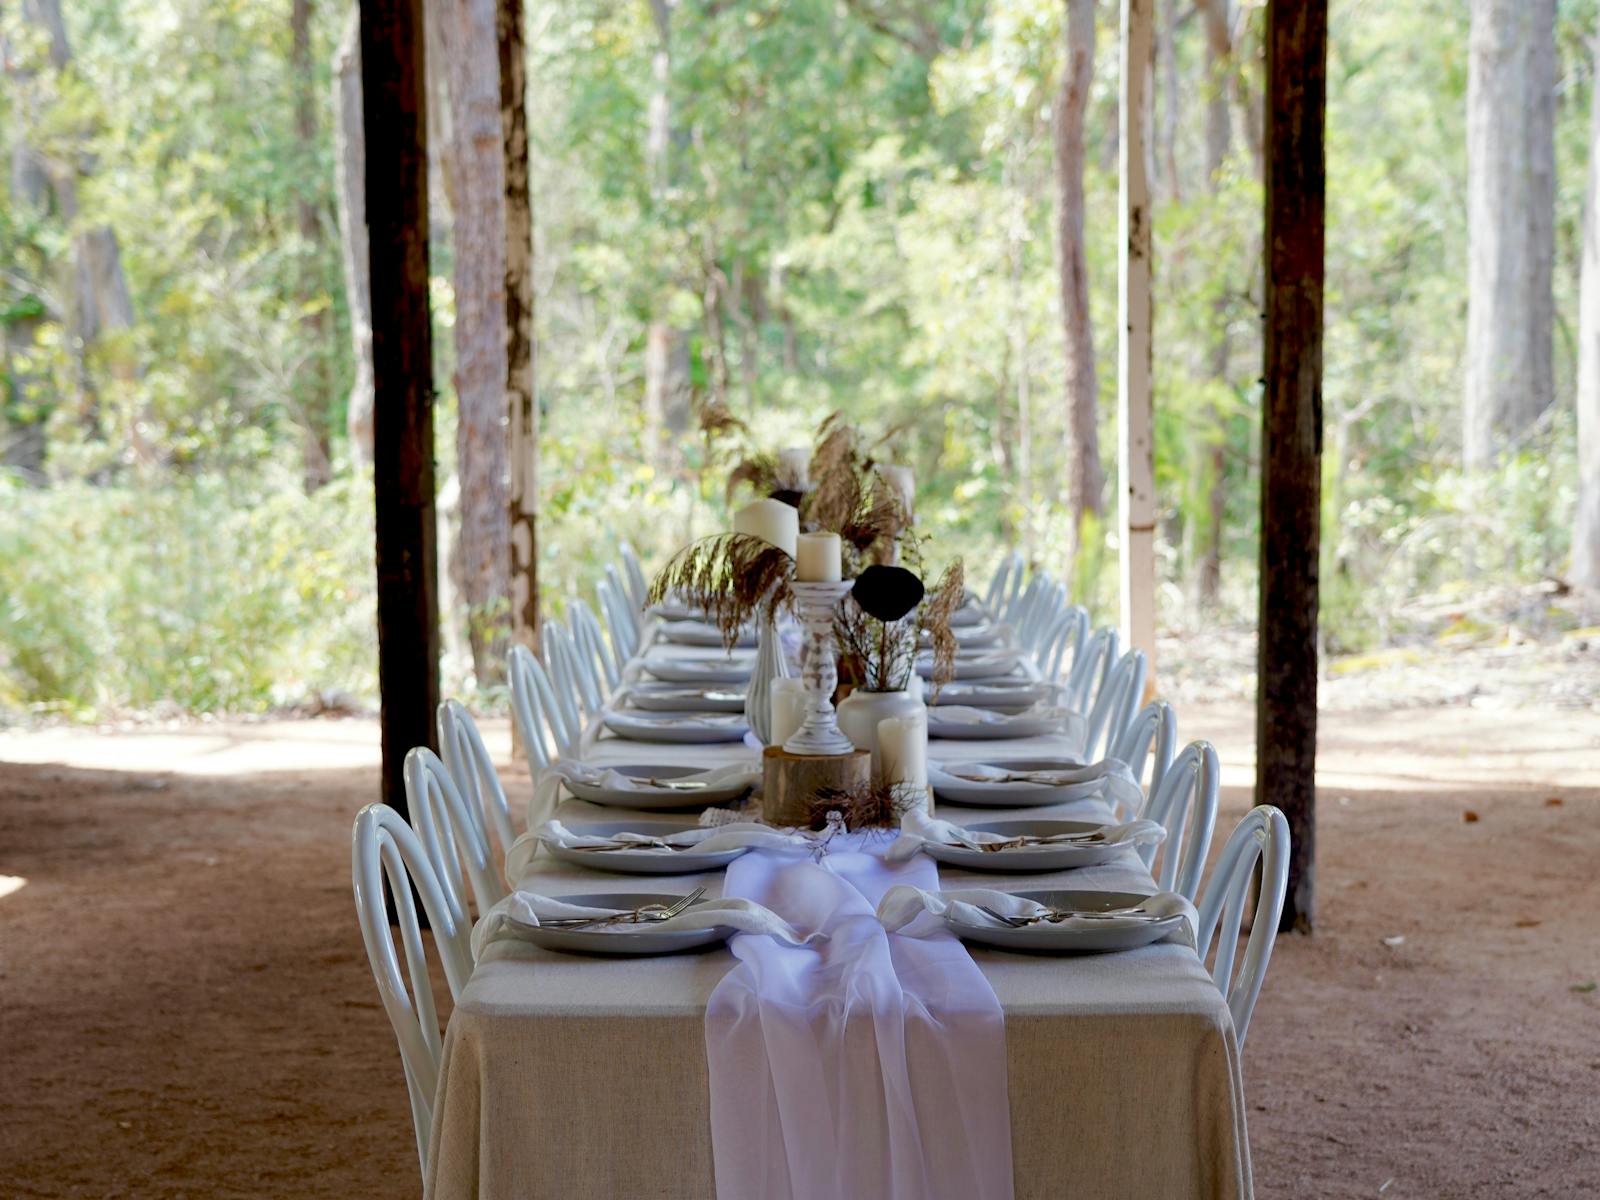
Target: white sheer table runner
x,y
868,1067
586,1079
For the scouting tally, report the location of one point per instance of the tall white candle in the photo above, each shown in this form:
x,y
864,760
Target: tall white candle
x,y
818,557
788,700
772,521
903,748
794,467
902,481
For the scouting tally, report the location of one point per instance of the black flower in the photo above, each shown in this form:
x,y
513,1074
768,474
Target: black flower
x,y
887,593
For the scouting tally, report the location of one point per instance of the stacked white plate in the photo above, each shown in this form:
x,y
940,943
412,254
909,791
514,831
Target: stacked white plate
x,y
726,668
675,727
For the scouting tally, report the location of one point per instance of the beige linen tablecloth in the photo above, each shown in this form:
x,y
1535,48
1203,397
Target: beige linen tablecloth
x,y
573,1078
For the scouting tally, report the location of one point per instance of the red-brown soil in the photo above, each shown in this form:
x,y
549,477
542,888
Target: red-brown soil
x,y
186,1010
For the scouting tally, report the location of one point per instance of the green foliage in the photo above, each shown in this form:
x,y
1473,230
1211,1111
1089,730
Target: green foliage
x,y
196,594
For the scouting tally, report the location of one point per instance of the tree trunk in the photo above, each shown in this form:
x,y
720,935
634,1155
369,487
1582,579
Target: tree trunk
x,y
666,359
350,167
1085,476
1167,126
1510,222
480,329
522,410
1586,531
1219,69
394,116
1291,435
314,404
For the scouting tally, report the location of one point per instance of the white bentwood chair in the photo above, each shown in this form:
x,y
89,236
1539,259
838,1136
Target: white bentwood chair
x,y
467,759
996,593
541,721
382,846
592,643
454,833
1117,704
1151,735
1262,834
1185,805
624,631
634,573
1063,642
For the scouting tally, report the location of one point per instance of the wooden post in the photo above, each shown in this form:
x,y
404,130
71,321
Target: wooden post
x,y
1136,502
1291,434
394,112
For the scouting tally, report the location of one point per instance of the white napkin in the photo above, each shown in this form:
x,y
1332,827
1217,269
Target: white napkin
x,y
917,827
964,714
917,913
547,783
1110,779
522,910
707,839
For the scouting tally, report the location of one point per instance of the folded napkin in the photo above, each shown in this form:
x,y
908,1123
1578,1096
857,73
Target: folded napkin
x,y
707,839
547,783
917,828
1110,779
523,910
917,913
965,714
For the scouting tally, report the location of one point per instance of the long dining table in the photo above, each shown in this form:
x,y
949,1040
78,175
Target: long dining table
x,y
574,1077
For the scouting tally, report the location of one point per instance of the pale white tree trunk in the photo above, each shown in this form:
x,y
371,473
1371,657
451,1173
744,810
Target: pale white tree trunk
x,y
1510,222
1586,530
472,55
350,168
1085,475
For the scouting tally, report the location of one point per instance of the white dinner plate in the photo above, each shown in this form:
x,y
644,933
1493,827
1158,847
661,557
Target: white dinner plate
x,y
971,612
1095,937
673,610
1058,856
675,727
654,797
627,940
1006,695
688,861
677,697
702,633
996,725
979,664
983,794
726,668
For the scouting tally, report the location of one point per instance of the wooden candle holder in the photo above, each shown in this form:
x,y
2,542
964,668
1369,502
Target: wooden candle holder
x,y
791,781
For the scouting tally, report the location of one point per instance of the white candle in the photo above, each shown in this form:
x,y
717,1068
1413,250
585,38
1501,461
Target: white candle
x,y
794,467
903,748
788,700
818,557
771,521
902,481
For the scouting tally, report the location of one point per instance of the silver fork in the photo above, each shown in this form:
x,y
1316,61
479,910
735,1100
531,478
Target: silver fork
x,y
645,914
1056,917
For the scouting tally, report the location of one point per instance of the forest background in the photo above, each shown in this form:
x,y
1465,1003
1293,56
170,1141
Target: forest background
x,y
779,208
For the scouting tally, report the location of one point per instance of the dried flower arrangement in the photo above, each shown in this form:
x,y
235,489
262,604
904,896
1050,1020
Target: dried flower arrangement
x,y
733,576
880,625
875,806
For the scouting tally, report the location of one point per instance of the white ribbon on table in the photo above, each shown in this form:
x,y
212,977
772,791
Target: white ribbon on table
x,y
866,1067
523,910
1110,779
920,912
547,783
917,828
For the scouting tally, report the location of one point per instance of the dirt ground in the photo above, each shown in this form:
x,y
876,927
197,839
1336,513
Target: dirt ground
x,y
186,1010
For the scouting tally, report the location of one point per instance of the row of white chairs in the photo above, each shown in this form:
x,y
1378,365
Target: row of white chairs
x,y
463,821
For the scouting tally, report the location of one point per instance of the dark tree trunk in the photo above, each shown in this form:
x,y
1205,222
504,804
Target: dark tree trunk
x,y
522,410
394,109
1291,434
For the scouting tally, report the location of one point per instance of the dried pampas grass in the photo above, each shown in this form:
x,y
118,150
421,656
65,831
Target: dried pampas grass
x,y
733,576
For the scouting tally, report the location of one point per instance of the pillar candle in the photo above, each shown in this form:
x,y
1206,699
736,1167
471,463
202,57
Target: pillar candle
x,y
903,746
818,558
788,708
794,467
902,481
772,521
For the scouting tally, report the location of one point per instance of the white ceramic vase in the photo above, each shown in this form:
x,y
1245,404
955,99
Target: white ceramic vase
x,y
770,664
860,712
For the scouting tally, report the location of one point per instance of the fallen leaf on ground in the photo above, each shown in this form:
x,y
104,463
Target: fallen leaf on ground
x,y
1553,802
1469,816
1586,987
1526,922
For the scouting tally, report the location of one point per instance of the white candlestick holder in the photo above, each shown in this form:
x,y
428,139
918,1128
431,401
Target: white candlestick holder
x,y
819,733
